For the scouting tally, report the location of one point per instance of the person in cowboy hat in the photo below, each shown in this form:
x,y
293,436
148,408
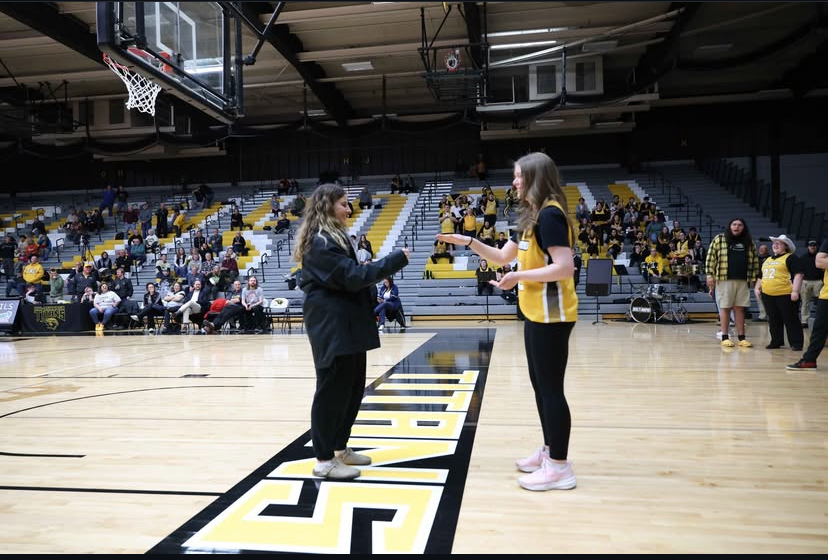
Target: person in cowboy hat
x,y
778,286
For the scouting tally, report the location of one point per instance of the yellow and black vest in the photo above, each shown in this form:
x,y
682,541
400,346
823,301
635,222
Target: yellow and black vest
x,y
544,302
776,278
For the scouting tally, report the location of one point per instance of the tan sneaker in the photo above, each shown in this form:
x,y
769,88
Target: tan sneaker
x,y
349,457
727,343
336,470
745,343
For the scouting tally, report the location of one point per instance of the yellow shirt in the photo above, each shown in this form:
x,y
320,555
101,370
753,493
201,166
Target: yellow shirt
x,y
544,302
776,278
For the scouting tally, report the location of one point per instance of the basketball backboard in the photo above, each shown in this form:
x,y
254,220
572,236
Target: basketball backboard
x,y
184,47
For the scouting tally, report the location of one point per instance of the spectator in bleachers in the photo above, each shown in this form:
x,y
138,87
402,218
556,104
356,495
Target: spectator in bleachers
x,y
83,276
199,241
600,218
615,244
692,236
512,201
162,264
442,250
7,251
447,221
364,243
44,244
121,197
151,241
197,298
275,205
396,184
152,308
236,219
171,302
253,302
32,273
31,248
582,211
232,309
177,222
57,285
699,254
469,224
230,266
204,196
216,242
283,224
483,274
161,217
165,281
663,241
656,268
145,218
131,235
122,260
388,301
637,255
104,307
654,227
490,209
239,244
207,263
298,205
131,215
182,260
108,200
365,199
138,252
487,234
194,274
593,243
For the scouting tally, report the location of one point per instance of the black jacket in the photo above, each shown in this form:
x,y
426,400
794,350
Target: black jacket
x,y
338,309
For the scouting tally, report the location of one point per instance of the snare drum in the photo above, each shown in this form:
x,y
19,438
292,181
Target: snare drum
x,y
645,309
655,291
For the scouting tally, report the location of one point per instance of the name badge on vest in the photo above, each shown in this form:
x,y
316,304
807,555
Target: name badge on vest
x,y
523,245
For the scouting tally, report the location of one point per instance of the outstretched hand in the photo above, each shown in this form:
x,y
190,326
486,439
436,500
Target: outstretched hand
x,y
454,238
507,281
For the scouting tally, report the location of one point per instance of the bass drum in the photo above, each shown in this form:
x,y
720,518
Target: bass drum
x,y
645,309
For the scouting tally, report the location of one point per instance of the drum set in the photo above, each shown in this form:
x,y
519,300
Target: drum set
x,y
654,303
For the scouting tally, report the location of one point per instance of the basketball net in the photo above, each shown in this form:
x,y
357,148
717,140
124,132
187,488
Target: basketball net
x,y
142,91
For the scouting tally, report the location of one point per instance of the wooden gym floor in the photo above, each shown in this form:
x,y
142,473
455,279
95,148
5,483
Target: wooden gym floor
x,y
133,444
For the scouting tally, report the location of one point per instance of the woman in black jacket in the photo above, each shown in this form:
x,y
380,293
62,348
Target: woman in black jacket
x,y
340,323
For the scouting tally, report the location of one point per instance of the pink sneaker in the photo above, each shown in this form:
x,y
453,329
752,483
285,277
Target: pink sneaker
x,y
534,461
551,476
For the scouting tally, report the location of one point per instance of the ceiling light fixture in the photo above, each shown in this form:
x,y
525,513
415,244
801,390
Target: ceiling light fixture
x,y
549,122
357,66
608,124
529,31
314,112
521,45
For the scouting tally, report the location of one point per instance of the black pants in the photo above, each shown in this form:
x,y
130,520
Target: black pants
x,y
783,313
547,352
339,390
819,332
227,313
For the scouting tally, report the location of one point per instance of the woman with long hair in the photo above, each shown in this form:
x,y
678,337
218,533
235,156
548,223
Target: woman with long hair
x,y
542,245
338,312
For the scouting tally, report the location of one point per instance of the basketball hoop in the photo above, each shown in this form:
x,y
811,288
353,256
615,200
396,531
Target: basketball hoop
x,y
142,91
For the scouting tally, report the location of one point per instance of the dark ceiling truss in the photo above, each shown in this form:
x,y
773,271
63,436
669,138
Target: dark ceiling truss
x,y
810,73
289,46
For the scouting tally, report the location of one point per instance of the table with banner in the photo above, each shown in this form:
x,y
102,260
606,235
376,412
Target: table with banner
x,y
55,318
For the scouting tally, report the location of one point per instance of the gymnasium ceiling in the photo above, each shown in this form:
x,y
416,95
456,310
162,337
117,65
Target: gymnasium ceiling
x,y
652,54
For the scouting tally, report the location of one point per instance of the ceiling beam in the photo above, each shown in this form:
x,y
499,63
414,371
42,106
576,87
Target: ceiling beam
x,y
808,74
44,18
289,46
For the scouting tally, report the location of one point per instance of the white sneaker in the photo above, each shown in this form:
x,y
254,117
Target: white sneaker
x,y
134,317
381,327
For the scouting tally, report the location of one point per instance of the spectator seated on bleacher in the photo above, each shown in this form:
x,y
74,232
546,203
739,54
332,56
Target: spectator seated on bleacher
x,y
442,250
151,241
282,224
239,244
656,268
253,303
152,307
138,252
298,205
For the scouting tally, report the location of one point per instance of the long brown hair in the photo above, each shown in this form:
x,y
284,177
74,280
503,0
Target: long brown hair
x,y
541,182
319,217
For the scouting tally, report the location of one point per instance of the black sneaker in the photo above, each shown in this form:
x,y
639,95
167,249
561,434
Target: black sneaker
x,y
801,364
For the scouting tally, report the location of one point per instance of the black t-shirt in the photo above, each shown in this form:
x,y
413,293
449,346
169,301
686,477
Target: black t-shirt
x,y
737,261
552,229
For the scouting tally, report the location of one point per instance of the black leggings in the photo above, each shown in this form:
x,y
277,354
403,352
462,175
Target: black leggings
x,y
339,390
547,351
